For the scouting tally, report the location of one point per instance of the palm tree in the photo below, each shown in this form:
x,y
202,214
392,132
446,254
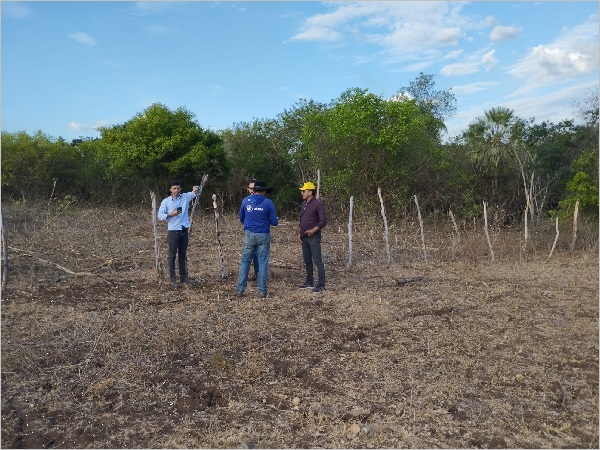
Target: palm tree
x,y
489,138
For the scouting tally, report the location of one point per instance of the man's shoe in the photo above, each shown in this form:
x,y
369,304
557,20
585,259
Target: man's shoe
x,y
175,284
239,293
263,295
187,280
318,289
306,286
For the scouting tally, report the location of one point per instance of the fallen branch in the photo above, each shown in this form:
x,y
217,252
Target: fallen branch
x,y
405,281
58,266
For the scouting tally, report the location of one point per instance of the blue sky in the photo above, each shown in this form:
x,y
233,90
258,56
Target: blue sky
x,y
70,67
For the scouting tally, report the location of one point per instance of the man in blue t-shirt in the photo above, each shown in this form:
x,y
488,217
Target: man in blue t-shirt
x,y
257,213
174,209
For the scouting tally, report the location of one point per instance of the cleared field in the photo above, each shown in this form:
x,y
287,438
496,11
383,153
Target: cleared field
x,y
477,353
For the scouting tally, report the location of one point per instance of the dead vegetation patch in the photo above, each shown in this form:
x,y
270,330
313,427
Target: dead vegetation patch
x,y
471,354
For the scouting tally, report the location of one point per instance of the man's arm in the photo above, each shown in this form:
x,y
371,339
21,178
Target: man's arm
x,y
322,216
162,211
273,215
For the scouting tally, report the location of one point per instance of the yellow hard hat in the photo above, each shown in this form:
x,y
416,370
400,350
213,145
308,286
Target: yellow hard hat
x,y
308,186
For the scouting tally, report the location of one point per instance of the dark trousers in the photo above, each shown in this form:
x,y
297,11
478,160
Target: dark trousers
x,y
311,251
178,244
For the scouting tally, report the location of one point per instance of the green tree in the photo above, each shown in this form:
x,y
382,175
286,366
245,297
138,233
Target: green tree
x,y
438,104
256,150
158,145
490,143
292,122
39,166
362,142
583,187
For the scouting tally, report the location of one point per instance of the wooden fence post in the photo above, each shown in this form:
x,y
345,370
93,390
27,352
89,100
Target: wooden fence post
x,y
196,201
318,182
487,234
350,232
555,241
4,253
159,269
219,240
575,216
454,225
422,231
386,236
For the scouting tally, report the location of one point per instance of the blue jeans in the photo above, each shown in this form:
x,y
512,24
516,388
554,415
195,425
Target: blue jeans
x,y
259,245
311,251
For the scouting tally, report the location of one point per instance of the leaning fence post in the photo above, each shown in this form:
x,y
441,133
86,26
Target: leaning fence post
x,y
555,241
487,234
575,215
422,231
350,232
196,201
4,254
318,182
219,240
159,269
387,240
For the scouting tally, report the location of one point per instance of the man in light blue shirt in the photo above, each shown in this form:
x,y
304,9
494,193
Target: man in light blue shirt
x,y
174,209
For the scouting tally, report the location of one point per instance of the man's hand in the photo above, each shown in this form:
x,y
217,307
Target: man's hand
x,y
312,231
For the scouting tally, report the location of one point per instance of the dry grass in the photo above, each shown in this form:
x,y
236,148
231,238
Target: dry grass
x,y
476,354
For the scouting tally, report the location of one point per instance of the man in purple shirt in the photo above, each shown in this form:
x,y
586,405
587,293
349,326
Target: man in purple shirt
x,y
312,221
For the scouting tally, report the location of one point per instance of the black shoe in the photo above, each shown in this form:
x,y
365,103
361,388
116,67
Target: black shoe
x,y
263,295
175,284
239,293
318,289
306,285
187,280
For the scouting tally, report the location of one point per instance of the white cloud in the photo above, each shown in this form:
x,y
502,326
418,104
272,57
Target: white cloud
x,y
158,29
16,10
453,54
402,28
501,33
489,60
78,126
317,34
460,69
216,89
572,55
555,105
473,88
83,38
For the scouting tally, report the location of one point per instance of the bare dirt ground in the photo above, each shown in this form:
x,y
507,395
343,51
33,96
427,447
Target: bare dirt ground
x,y
476,354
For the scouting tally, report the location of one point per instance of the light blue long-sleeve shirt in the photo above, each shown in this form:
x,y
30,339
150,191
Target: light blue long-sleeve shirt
x,y
176,223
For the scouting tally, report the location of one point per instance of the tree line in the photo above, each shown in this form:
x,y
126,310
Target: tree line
x,y
359,142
